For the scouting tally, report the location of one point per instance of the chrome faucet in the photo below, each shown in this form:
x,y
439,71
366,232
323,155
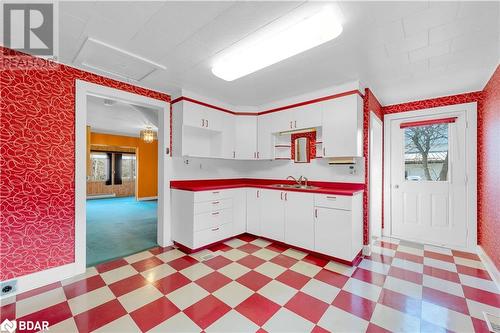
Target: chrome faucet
x,y
299,181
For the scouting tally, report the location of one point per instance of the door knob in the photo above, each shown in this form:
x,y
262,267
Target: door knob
x,y
396,186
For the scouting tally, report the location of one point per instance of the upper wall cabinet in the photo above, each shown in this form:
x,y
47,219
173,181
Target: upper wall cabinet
x,y
297,118
245,137
343,126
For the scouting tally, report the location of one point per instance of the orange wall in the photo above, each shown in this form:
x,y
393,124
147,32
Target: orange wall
x,y
147,160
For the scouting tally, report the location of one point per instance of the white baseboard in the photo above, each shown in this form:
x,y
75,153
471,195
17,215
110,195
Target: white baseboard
x,y
39,279
101,196
490,266
147,198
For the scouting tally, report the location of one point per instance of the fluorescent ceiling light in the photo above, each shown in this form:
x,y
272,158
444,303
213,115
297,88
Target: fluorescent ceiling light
x,y
281,40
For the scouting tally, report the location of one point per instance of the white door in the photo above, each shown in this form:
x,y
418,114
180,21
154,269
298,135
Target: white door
x,y
428,179
299,222
253,211
375,178
272,218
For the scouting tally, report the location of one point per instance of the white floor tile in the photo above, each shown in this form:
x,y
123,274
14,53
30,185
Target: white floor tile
x,y
443,285
233,293
374,266
440,264
196,271
270,269
138,257
39,302
233,270
90,300
337,320
139,297
170,255
305,268
158,272
321,290
393,320
64,326
277,292
446,318
118,274
469,262
340,268
124,324
410,250
363,289
295,254
235,242
409,265
265,254
476,309
260,242
403,287
478,283
438,249
231,322
286,321
234,254
180,323
188,295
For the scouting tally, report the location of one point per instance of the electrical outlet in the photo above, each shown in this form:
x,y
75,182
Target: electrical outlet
x,y
8,287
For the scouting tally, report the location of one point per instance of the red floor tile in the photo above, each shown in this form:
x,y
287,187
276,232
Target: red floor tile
x,y
171,282
332,278
254,280
145,264
369,276
442,274
315,260
83,286
53,314
158,250
277,247
284,260
409,257
8,312
465,255
293,279
372,328
386,245
480,326
400,302
110,265
220,247
213,281
482,296
380,258
354,304
307,307
217,262
317,329
154,313
439,256
479,273
251,261
207,311
247,238
38,291
446,300
183,262
406,275
127,285
99,316
249,248
258,309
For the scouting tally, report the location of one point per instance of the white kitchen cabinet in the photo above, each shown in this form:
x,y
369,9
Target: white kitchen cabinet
x,y
253,210
308,116
272,214
239,196
338,225
343,126
265,137
228,134
245,137
299,221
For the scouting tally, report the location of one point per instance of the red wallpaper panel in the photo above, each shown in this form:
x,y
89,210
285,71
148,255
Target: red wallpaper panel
x,y
434,102
37,161
312,143
489,170
370,103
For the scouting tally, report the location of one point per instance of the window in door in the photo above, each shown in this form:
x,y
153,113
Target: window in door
x,y
426,152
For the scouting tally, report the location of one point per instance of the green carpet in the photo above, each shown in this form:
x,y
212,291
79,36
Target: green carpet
x,y
118,227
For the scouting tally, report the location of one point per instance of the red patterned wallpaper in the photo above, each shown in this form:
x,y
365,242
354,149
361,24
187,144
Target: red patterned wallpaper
x,y
489,169
370,103
37,161
312,144
434,102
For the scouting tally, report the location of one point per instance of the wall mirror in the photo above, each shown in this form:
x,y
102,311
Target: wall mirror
x,y
302,145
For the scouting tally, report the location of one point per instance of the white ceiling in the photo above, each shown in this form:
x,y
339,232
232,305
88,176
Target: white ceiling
x,y
402,50
119,118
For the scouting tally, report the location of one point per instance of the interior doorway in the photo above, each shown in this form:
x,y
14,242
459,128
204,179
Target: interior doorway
x,y
121,187
375,177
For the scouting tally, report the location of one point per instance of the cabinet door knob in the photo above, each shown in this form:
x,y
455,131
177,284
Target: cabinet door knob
x,y
258,193
286,196
207,122
215,213
316,212
331,198
281,195
291,126
215,229
295,123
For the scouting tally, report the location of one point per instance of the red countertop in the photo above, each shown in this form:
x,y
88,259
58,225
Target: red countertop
x,y
220,184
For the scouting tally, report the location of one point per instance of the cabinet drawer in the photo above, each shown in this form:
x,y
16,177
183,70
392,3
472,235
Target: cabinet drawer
x,y
211,195
214,205
212,235
212,219
333,201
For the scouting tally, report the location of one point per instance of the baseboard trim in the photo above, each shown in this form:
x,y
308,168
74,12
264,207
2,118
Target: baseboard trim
x,y
101,196
490,266
39,279
367,250
147,198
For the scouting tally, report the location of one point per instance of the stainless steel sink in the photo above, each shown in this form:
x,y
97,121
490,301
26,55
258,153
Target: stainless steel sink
x,y
304,187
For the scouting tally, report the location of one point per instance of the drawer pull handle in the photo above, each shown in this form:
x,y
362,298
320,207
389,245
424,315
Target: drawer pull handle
x,y
316,213
216,192
215,213
215,229
331,198
215,202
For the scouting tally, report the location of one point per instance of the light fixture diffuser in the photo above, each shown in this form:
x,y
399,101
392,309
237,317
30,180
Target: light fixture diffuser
x,y
279,42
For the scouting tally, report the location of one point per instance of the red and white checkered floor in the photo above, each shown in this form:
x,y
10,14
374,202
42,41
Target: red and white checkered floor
x,y
254,285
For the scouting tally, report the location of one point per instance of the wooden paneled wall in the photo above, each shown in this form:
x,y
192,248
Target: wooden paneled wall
x,y
99,187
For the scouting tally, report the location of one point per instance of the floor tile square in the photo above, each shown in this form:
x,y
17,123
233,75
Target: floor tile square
x,y
479,273
418,259
208,310
158,272
234,270
196,271
39,302
258,309
234,254
139,297
251,261
110,265
253,280
400,302
170,255
213,281
315,260
90,300
154,313
332,278
443,285
307,306
476,309
465,255
293,279
387,260
277,247
235,243
321,290
99,316
247,238
182,263
83,286
277,292
261,242
369,276
270,269
265,254
404,287
363,289
340,268
233,322
53,314
306,268
478,283
394,321
171,283
408,265
337,320
299,255
220,247
127,285
482,296
186,296
438,249
469,262
406,275
439,256
446,318
446,300
124,324
217,262
249,248
374,266
64,326
287,321
179,323
145,264
440,264
284,261
118,274
138,256
354,304
233,293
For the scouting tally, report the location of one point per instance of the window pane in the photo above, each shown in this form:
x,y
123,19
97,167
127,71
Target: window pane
x,y
426,153
128,167
100,166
